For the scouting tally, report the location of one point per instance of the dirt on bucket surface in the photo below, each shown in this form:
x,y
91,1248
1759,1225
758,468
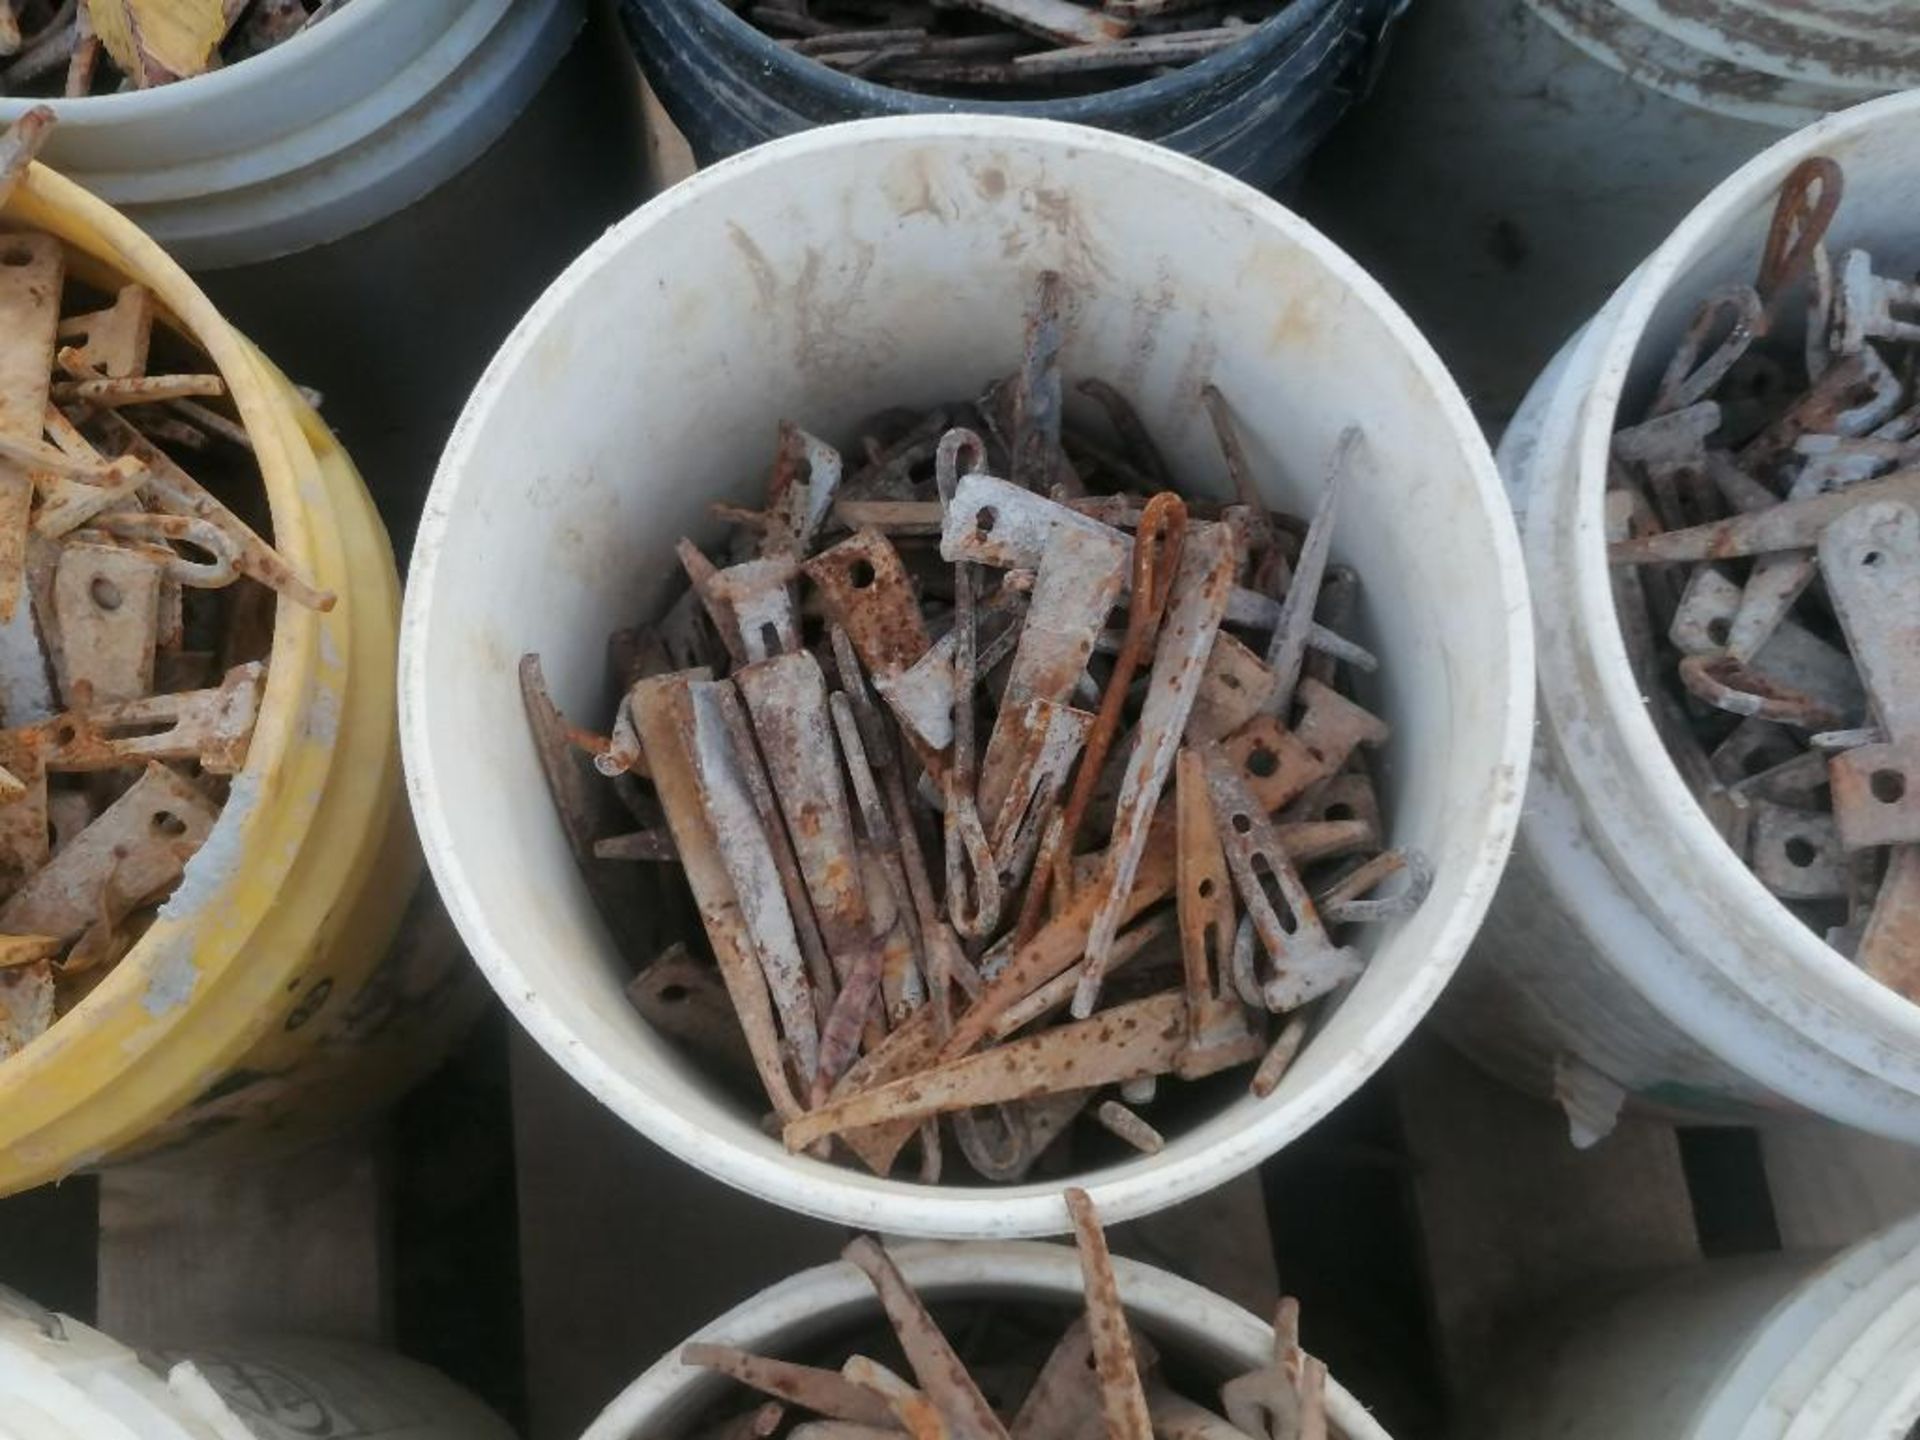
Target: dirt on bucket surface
x,y
998,800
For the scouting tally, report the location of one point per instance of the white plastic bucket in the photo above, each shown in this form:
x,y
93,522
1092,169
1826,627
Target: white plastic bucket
x,y
1776,62
1517,160
342,125
297,1389
1212,1335
890,262
1789,1347
60,1380
1628,940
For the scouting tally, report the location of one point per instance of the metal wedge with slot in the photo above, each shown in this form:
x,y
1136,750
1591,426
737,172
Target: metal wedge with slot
x,y
973,946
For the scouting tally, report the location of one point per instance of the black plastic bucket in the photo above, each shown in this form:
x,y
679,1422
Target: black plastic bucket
x,y
1256,110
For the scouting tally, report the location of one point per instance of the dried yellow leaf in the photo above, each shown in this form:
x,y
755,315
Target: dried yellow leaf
x,y
178,37
26,949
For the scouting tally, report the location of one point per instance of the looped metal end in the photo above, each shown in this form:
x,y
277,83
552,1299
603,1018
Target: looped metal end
x,y
1799,226
946,460
1724,683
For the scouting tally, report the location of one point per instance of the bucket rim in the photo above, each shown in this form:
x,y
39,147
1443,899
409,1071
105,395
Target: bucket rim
x,y
1261,42
231,957
936,1269
311,47
840,1194
1818,983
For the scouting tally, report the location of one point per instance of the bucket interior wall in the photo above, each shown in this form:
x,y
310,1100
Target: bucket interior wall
x,y
882,271
1876,214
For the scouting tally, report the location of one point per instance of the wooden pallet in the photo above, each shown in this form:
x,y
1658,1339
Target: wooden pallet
x,y
622,1251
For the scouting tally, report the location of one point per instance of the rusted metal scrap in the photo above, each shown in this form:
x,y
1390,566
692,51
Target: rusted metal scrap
x,y
978,944
1016,1375
1009,48
122,582
96,47
1777,549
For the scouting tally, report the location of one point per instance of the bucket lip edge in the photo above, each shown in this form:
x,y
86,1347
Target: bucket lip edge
x,y
319,199
898,102
214,86
1836,1293
1133,1188
1043,1270
1751,38
1789,104
1838,982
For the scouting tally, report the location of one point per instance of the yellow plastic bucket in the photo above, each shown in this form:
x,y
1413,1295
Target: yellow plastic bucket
x,y
288,909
